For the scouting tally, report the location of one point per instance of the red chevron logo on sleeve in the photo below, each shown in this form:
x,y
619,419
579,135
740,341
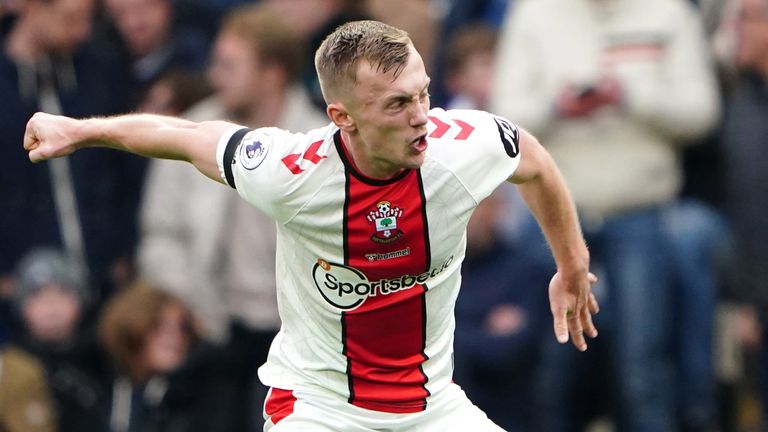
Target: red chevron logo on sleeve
x,y
311,153
290,163
442,127
466,129
292,160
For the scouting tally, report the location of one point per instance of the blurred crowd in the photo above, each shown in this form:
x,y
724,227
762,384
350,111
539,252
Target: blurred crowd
x,y
138,296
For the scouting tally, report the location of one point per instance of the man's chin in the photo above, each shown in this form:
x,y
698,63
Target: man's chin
x,y
415,162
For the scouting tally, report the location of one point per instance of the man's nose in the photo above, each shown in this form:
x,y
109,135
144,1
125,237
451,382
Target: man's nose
x,y
419,115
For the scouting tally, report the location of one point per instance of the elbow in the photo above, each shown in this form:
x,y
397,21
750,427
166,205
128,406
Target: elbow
x,y
535,160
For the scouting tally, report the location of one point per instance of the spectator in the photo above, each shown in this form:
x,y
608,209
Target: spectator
x,y
151,337
615,93
52,297
470,67
175,92
697,236
455,15
150,44
204,243
314,20
24,399
743,46
81,204
501,315
51,294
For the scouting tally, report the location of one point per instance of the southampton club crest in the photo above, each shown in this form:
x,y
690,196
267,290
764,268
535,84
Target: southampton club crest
x,y
384,218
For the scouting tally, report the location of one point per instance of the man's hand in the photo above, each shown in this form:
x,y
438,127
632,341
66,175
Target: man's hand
x,y
50,136
573,304
578,102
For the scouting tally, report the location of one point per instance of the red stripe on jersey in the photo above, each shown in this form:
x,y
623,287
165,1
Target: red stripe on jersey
x,y
384,338
279,404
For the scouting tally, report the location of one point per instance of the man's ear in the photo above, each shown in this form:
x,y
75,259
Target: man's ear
x,y
340,117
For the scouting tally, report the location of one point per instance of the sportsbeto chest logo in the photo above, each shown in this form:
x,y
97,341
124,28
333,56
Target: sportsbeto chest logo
x,y
384,219
347,288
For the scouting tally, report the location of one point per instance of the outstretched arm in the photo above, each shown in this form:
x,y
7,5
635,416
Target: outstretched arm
x,y
49,136
544,191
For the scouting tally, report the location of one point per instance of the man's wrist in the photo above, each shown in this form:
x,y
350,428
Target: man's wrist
x,y
576,266
89,132
84,132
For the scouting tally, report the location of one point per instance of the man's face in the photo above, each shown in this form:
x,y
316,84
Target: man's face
x,y
51,314
390,118
143,24
64,24
234,73
475,77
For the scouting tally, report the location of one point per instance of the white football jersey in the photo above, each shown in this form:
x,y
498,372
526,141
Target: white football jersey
x,y
368,270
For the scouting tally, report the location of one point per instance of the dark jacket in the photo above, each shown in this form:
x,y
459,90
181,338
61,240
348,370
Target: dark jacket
x,y
107,183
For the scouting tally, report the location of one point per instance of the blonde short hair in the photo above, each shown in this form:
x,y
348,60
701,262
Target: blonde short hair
x,y
385,47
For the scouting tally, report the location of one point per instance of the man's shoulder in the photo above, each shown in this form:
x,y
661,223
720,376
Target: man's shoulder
x,y
290,155
457,124
476,146
284,142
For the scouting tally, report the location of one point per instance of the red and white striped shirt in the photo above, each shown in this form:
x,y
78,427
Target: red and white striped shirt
x,y
368,270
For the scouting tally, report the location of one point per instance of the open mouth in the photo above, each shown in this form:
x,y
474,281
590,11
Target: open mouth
x,y
419,144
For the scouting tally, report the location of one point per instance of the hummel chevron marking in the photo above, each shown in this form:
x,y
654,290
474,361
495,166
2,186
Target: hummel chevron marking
x,y
290,163
442,127
466,129
311,153
292,160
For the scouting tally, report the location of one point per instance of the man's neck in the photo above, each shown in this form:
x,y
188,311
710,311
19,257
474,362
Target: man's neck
x,y
364,163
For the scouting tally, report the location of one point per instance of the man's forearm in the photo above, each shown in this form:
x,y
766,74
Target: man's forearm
x,y
149,135
159,136
550,202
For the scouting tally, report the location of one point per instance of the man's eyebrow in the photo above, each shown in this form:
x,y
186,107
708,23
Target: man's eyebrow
x,y
400,96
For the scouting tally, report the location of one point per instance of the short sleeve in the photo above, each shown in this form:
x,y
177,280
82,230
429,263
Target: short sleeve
x,y
225,153
480,148
256,162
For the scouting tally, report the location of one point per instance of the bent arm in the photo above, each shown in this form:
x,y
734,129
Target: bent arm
x,y
542,187
544,191
48,136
